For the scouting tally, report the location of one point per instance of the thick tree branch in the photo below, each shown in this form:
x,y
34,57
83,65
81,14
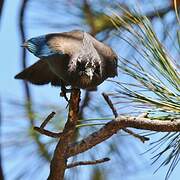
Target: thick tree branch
x,y
119,123
82,163
59,160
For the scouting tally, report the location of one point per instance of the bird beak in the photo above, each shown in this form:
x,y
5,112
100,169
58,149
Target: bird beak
x,y
24,45
89,72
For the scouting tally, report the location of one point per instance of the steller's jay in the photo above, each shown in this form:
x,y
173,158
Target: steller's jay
x,y
71,58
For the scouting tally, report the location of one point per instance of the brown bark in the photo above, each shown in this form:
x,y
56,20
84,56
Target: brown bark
x,y
59,160
119,123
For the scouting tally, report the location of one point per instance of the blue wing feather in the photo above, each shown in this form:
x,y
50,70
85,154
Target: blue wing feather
x,y
39,47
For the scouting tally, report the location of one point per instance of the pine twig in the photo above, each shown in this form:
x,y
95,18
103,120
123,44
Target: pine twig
x,y
46,132
109,102
44,123
82,163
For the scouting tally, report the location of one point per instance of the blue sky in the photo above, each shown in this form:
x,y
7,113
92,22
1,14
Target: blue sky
x,y
12,89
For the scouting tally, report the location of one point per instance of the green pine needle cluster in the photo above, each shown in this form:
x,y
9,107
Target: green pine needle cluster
x,y
154,82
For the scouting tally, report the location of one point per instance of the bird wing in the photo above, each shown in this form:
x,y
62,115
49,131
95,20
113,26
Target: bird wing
x,y
108,56
111,64
39,74
67,43
55,44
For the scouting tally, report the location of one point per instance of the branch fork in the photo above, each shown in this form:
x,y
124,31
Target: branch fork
x,y
67,148
47,132
109,102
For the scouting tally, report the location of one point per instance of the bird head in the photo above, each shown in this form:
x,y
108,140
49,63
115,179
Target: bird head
x,y
31,45
38,46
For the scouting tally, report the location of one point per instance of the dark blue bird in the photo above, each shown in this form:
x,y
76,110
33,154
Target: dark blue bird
x,y
71,58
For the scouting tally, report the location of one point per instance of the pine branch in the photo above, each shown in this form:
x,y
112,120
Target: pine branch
x,y
80,163
119,123
109,102
50,116
59,160
46,132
